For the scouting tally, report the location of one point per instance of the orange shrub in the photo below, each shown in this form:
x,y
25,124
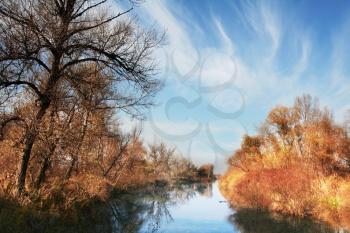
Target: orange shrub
x,y
288,189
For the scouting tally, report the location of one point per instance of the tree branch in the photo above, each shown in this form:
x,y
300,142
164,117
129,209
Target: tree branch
x,y
98,24
20,82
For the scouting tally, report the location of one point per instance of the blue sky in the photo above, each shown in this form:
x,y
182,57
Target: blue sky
x,y
227,63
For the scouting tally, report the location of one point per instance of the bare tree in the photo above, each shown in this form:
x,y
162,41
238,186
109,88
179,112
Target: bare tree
x,y
46,45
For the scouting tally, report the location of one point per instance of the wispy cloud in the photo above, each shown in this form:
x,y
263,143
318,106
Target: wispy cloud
x,y
339,82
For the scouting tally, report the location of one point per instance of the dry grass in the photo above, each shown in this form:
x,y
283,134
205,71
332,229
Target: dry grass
x,y
59,196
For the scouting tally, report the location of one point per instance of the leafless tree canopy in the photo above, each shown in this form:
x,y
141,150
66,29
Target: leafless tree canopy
x,y
45,44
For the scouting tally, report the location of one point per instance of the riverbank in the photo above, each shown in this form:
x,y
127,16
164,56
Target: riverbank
x,y
298,164
290,192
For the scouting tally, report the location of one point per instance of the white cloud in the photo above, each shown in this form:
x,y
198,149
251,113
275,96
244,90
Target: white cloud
x,y
272,26
263,19
225,39
179,45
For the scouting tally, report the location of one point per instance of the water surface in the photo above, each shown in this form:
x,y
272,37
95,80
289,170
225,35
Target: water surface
x,y
192,208
185,208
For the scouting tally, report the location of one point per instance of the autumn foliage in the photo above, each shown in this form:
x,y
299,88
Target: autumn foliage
x,y
297,164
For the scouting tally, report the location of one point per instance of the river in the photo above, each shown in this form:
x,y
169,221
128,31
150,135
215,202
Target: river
x,y
197,208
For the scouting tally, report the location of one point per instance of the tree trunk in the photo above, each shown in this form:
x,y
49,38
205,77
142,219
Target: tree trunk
x,y
29,142
46,163
45,101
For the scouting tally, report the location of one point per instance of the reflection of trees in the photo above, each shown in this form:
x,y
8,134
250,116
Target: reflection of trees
x,y
128,212
181,193
252,221
205,189
146,209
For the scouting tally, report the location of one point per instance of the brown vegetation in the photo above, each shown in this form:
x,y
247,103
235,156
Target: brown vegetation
x,y
298,164
206,172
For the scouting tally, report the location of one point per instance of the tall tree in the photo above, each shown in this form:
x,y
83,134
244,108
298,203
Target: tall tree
x,y
46,44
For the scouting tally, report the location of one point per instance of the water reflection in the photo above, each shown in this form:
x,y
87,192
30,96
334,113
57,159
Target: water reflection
x,y
147,208
252,221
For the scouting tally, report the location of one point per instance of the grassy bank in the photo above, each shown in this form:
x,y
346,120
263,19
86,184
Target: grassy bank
x,y
61,207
